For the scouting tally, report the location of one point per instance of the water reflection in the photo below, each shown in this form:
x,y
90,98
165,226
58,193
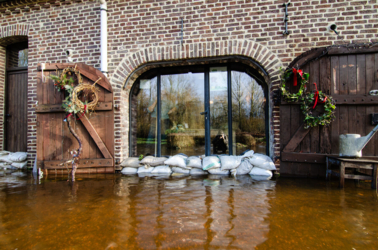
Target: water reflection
x,y
211,212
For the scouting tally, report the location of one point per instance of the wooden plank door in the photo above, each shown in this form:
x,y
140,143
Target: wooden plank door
x,y
347,76
16,125
54,140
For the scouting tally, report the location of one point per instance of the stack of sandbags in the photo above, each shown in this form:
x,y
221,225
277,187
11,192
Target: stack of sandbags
x,y
262,165
130,165
16,160
212,164
195,163
178,164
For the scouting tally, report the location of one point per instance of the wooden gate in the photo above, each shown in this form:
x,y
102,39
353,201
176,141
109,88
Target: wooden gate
x,y
54,141
347,75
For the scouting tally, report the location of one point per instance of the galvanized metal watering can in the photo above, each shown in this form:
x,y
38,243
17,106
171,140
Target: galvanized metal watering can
x,y
351,145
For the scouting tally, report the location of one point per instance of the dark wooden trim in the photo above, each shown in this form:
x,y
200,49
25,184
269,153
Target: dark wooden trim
x,y
351,50
13,69
296,139
97,139
83,163
312,157
300,61
47,108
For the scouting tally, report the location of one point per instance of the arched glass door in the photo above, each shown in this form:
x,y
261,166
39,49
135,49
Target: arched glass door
x,y
197,111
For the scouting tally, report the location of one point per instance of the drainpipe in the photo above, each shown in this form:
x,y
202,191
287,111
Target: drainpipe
x,y
104,38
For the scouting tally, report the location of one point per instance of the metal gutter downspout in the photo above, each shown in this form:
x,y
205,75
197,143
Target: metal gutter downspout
x,y
104,37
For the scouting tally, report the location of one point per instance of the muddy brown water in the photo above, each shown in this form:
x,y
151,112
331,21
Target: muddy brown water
x,y
209,212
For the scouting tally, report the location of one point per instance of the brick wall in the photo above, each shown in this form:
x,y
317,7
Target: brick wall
x,y
149,31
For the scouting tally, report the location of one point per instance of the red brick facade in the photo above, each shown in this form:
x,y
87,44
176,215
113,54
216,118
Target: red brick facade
x,y
150,31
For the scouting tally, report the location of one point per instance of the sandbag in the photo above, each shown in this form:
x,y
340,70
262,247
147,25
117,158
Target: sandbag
x,y
176,160
194,162
211,162
4,152
219,171
153,161
5,165
5,158
180,170
18,156
229,161
128,170
244,168
260,172
161,170
248,154
131,162
197,171
143,170
19,165
262,161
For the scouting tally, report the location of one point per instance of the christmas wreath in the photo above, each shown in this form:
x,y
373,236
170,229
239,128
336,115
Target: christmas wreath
x,y
72,104
308,101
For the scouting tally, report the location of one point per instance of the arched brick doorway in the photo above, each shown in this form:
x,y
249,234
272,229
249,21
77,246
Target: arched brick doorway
x,y
135,64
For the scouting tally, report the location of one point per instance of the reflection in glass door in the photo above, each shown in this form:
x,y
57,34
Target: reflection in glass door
x,y
182,125
218,110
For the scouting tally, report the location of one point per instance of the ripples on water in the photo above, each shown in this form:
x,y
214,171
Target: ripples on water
x,y
211,212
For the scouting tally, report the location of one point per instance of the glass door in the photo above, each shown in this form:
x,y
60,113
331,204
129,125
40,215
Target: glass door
x,y
182,125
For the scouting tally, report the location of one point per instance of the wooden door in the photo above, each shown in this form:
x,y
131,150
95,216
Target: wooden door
x,y
16,125
348,76
54,141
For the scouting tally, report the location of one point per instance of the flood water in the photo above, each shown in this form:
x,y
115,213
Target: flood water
x,y
209,212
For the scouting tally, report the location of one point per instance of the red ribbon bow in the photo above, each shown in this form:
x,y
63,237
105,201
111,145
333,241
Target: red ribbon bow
x,y
295,72
316,97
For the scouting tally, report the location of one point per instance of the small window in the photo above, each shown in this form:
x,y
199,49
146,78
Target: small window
x,y
17,55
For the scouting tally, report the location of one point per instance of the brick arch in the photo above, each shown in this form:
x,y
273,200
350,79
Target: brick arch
x,y
130,68
258,52
14,33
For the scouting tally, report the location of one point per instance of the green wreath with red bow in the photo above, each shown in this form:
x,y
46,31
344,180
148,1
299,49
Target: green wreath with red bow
x,y
309,100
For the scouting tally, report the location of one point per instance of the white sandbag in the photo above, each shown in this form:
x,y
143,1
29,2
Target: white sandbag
x,y
197,171
4,152
161,170
5,158
210,162
244,168
131,162
180,170
248,154
194,162
184,156
18,156
260,172
260,177
153,161
143,170
229,161
5,164
128,170
269,165
259,160
19,165
219,171
176,160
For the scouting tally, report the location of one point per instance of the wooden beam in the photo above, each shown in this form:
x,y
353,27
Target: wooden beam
x,y
48,108
83,163
296,139
312,157
345,50
93,133
347,100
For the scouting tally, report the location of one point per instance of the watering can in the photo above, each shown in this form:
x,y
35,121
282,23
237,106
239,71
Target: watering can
x,y
351,145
